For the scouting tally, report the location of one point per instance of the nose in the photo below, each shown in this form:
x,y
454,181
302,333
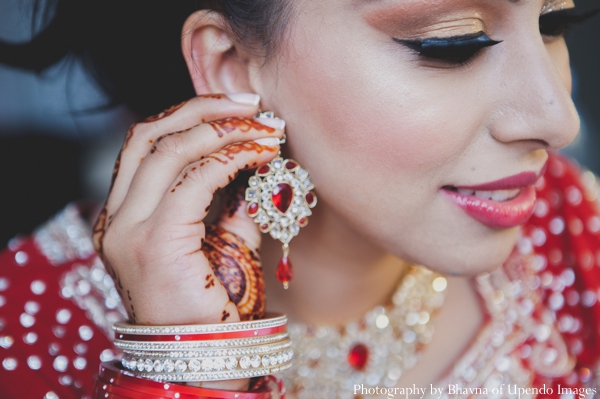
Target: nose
x,y
535,94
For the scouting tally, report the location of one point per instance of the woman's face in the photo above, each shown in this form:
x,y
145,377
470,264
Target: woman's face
x,y
389,135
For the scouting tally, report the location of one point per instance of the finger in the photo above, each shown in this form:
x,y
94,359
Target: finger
x,y
188,199
172,153
199,110
233,216
142,136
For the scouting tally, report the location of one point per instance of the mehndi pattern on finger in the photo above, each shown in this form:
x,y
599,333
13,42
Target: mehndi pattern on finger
x,y
230,151
228,125
169,111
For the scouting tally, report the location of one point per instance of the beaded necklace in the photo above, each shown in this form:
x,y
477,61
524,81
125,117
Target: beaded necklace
x,y
374,350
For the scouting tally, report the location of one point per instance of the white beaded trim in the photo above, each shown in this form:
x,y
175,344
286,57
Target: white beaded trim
x,y
65,237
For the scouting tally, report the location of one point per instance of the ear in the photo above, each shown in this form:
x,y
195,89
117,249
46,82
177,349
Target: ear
x,y
214,62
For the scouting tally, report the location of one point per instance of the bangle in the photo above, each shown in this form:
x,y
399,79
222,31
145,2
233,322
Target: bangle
x,y
186,366
198,345
212,352
204,331
203,336
214,376
282,344
114,383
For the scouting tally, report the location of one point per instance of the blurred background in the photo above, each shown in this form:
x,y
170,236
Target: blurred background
x,y
55,148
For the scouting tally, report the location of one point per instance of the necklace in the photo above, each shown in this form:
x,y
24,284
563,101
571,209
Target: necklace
x,y
328,361
373,351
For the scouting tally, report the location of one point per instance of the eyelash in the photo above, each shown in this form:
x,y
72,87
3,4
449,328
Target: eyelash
x,y
556,23
455,51
460,50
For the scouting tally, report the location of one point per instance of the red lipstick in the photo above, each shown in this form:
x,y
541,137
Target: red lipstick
x,y
489,204
508,183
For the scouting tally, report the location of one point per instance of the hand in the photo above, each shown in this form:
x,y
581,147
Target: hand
x,y
151,233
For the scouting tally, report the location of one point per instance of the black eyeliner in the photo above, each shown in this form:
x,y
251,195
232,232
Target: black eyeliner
x,y
477,40
556,22
455,50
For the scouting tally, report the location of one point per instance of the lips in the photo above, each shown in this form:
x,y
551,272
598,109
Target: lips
x,y
501,204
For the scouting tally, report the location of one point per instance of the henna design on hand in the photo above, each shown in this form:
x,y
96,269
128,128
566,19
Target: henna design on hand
x,y
165,113
238,268
225,315
230,151
228,125
116,167
98,230
131,314
234,194
98,233
209,278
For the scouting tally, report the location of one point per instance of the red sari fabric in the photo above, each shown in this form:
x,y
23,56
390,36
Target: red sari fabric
x,y
54,323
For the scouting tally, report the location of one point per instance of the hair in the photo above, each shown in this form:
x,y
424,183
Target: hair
x,y
132,47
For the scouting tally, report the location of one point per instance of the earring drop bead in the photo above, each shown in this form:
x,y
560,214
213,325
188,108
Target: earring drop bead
x,y
285,272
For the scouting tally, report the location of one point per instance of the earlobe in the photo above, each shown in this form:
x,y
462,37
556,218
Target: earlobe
x,y
213,61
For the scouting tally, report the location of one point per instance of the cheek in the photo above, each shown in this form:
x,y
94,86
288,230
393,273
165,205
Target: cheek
x,y
381,119
366,105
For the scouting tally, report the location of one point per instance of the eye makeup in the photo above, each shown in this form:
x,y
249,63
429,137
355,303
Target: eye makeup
x,y
556,5
448,34
452,50
555,23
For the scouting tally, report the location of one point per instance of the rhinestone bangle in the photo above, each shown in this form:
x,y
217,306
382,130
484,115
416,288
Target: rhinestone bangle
x,y
199,345
206,364
208,369
271,321
251,350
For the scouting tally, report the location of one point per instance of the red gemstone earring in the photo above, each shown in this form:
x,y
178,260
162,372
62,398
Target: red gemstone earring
x,y
279,199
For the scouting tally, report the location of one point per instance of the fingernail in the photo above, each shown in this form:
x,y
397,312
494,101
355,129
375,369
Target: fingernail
x,y
268,141
245,98
275,123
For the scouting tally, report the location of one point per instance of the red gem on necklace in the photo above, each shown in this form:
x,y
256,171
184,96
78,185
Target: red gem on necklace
x,y
282,196
358,356
285,272
289,165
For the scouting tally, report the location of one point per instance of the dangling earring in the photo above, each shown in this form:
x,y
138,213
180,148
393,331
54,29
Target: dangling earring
x,y
279,200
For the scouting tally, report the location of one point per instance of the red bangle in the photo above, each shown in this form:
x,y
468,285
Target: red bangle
x,y
114,383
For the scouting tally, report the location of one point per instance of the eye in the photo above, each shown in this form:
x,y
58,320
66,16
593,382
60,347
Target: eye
x,y
455,50
555,23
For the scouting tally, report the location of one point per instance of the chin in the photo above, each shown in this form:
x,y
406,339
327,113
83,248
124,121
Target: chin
x,y
483,255
464,252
